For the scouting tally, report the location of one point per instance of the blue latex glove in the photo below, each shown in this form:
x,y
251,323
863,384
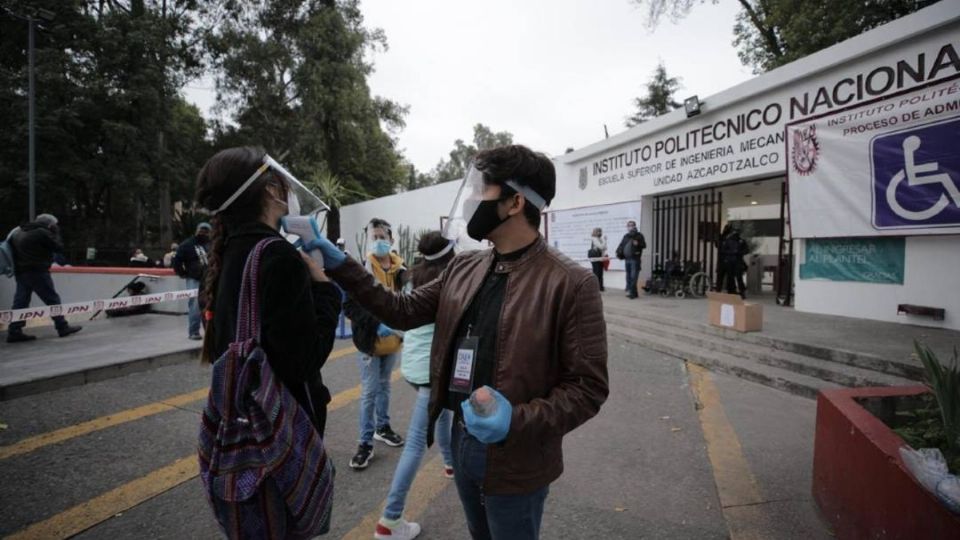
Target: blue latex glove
x,y
384,330
489,429
332,256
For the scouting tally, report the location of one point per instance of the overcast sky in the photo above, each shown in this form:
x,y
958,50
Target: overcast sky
x,y
552,72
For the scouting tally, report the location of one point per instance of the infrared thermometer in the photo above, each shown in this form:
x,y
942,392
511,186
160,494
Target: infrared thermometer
x,y
307,229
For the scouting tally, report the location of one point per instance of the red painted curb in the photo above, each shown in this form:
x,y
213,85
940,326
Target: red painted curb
x,y
861,485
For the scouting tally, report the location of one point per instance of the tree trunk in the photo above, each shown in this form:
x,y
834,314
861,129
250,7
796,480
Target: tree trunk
x,y
333,223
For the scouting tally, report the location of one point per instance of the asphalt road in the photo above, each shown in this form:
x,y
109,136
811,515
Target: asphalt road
x,y
100,460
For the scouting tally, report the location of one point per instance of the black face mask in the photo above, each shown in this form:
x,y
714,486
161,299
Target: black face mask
x,y
484,220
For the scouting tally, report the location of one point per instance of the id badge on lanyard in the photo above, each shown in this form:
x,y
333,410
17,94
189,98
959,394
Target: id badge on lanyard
x,y
461,380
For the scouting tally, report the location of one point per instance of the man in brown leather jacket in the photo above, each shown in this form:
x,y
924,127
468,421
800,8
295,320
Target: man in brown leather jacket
x,y
521,319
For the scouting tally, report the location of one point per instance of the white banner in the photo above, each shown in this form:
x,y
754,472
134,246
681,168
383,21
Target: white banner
x,y
569,230
93,306
889,168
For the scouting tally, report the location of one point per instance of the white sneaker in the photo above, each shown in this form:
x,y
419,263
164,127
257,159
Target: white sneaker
x,y
401,529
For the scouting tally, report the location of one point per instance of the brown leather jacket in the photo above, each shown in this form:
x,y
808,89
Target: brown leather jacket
x,y
551,351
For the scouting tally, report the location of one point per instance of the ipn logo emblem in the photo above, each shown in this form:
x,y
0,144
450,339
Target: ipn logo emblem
x,y
916,177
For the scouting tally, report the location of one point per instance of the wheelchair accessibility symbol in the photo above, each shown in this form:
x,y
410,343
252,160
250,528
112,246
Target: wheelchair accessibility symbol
x,y
916,177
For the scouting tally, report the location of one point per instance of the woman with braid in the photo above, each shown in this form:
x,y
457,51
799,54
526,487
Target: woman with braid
x,y
300,307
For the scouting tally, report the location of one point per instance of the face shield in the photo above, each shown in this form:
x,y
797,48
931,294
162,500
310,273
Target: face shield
x,y
379,239
300,200
468,200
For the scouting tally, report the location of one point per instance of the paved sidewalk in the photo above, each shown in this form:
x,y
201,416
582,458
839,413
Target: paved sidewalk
x,y
105,348
886,340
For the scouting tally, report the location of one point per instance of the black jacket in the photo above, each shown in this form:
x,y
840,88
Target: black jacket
x,y
631,246
190,261
298,316
33,248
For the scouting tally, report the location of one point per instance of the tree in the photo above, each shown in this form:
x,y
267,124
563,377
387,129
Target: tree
x,y
771,33
115,140
462,154
293,73
658,99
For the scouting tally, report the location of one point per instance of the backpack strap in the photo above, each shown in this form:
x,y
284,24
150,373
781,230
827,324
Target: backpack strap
x,y
248,318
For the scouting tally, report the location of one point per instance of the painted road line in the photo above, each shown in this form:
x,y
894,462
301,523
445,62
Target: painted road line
x,y
87,514
53,437
99,509
737,488
428,483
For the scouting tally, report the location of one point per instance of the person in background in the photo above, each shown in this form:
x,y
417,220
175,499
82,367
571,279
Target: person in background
x,y
631,250
168,256
436,253
596,254
34,246
730,264
191,263
379,347
139,259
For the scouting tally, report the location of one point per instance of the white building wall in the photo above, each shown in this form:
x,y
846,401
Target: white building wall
x,y
417,209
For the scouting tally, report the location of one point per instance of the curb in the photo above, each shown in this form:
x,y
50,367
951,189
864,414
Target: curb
x,y
96,374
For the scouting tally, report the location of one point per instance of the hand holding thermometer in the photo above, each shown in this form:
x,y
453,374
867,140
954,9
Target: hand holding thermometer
x,y
307,229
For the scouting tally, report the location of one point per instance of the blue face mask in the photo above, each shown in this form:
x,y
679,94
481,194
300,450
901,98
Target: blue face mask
x,y
381,248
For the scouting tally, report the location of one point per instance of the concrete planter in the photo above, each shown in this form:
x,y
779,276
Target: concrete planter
x,y
862,487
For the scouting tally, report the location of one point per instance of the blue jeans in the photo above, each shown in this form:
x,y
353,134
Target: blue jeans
x,y
193,310
374,393
414,449
499,517
633,272
42,284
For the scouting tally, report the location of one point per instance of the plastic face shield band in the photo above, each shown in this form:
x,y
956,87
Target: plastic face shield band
x,y
469,198
300,200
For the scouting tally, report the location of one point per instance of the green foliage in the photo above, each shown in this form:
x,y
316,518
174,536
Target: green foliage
x,y
293,73
944,382
115,140
462,154
658,99
771,33
922,427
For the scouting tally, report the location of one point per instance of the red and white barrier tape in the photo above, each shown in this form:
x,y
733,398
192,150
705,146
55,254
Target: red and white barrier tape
x,y
93,306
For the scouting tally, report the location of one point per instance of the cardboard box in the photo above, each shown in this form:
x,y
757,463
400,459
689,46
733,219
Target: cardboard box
x,y
731,311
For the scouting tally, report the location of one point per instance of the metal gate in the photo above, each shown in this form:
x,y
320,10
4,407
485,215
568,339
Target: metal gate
x,y
688,224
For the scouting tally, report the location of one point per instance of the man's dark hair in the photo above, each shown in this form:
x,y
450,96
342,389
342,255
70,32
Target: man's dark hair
x,y
377,223
524,166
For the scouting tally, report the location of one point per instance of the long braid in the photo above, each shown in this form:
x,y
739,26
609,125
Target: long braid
x,y
211,281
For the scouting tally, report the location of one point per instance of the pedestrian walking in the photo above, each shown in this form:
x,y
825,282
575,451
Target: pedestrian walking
x,y
190,263
379,345
34,246
139,259
436,253
597,254
630,251
519,331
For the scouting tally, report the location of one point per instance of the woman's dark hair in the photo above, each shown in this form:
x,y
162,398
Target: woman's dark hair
x,y
426,271
528,168
221,176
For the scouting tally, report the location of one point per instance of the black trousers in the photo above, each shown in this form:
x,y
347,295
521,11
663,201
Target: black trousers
x,y
598,271
41,284
730,278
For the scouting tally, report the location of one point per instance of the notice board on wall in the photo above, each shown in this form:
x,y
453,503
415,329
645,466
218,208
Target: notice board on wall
x,y
569,230
867,260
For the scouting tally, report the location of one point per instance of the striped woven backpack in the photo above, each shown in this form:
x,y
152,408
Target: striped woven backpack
x,y
262,462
